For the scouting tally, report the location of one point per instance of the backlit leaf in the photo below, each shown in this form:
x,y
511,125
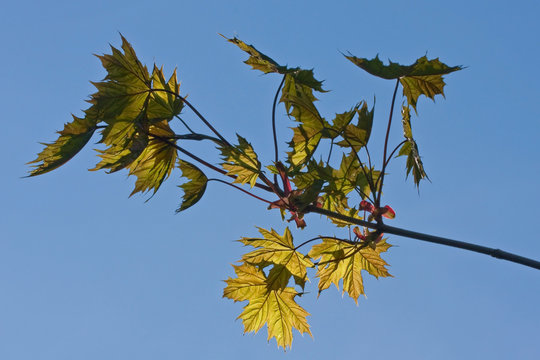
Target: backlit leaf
x,y
410,149
274,307
277,249
357,136
156,161
345,261
72,139
259,61
195,187
242,162
424,77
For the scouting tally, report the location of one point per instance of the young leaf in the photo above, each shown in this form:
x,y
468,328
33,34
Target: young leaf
x,y
341,260
164,105
242,162
276,249
424,77
194,188
274,307
259,61
357,136
72,139
410,149
156,161
299,102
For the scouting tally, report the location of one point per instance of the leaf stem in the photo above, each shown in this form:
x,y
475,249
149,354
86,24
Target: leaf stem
x,y
199,115
381,176
239,188
274,123
205,163
496,253
185,124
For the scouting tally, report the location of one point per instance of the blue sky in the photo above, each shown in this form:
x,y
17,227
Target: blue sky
x,y
88,273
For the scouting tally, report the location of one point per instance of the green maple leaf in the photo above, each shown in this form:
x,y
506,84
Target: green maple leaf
x,y
156,161
357,136
424,77
195,187
410,149
242,162
340,122
72,139
272,306
299,102
164,104
259,61
340,260
276,249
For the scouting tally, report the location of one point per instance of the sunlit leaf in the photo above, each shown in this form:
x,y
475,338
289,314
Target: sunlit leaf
x,y
242,162
410,149
357,136
424,77
156,161
194,188
345,261
277,249
72,139
275,307
259,61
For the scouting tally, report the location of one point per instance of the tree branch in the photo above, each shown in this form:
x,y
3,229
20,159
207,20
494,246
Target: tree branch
x,y
496,253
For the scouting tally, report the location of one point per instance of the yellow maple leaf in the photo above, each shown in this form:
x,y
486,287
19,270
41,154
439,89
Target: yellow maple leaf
x,y
342,260
270,303
277,249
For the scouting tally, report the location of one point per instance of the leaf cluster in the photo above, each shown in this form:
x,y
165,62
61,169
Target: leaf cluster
x,y
134,109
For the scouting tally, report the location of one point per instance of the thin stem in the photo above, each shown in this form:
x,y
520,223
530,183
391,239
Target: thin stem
x,y
368,178
496,253
393,151
378,197
239,188
274,123
330,152
199,115
197,137
368,156
205,163
185,124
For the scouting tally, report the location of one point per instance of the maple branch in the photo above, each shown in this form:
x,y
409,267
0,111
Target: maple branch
x,y
205,163
496,253
381,177
239,188
274,123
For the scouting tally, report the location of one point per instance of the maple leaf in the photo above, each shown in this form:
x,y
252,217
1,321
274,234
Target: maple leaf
x,y
259,61
194,188
276,249
345,261
270,305
424,77
299,102
357,136
241,161
410,149
156,161
72,139
164,104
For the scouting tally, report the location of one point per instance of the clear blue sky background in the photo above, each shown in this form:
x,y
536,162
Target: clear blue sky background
x,y
86,273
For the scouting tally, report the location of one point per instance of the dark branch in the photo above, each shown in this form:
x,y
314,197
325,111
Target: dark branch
x,y
496,253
